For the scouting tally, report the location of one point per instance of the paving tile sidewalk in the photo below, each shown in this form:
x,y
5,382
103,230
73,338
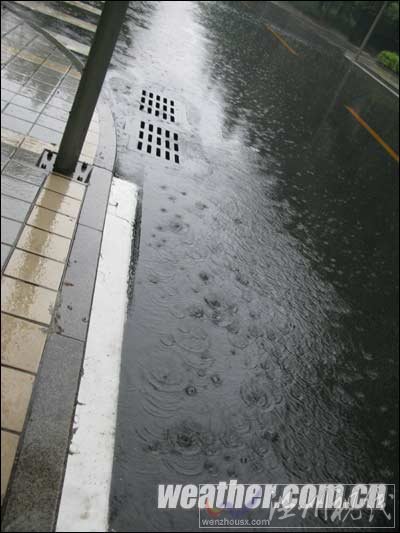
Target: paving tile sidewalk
x,y
39,214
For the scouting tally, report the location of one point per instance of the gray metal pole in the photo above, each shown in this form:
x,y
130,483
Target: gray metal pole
x,y
90,85
366,38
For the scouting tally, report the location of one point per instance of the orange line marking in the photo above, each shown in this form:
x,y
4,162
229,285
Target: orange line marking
x,y
389,150
281,40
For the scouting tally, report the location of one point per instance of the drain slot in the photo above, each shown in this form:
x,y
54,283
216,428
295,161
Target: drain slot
x,y
151,103
160,138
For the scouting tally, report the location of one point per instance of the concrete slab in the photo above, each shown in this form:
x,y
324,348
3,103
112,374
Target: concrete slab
x,y
13,208
59,202
44,243
9,230
22,113
52,221
38,475
16,390
27,301
9,443
5,252
25,172
72,316
62,185
95,206
35,269
18,189
22,343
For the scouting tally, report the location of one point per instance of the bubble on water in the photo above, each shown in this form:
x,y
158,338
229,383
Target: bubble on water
x,y
153,278
232,472
216,379
242,279
210,467
195,311
167,340
176,226
220,310
204,276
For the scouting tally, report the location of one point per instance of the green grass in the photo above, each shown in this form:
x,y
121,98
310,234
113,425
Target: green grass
x,y
389,60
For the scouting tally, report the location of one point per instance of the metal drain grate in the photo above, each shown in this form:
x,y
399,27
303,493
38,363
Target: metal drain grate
x,y
159,106
159,141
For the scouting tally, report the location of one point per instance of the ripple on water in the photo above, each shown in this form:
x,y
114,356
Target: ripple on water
x,y
256,392
219,308
184,447
192,338
161,385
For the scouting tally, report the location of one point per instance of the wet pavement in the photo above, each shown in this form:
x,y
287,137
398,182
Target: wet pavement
x,y
261,336
51,232
259,343
36,80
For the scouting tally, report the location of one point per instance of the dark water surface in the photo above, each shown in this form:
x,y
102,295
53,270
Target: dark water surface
x,y
260,342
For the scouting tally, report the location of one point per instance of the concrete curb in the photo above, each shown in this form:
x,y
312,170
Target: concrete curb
x,y
374,75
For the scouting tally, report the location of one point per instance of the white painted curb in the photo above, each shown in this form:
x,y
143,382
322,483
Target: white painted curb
x,y
85,495
370,74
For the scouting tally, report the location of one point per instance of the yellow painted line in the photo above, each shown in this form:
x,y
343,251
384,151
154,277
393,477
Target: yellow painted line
x,y
389,150
281,40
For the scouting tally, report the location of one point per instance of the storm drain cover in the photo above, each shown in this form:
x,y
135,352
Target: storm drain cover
x,y
158,141
160,106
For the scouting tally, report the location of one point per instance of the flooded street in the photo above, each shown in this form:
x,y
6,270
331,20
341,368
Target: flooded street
x,y
260,340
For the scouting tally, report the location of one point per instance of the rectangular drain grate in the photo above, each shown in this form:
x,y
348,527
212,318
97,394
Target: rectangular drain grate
x,y
159,106
159,141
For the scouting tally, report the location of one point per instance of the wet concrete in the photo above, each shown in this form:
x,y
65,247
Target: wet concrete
x,y
259,339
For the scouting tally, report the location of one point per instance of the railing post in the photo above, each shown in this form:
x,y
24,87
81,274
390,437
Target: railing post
x,y
89,88
366,38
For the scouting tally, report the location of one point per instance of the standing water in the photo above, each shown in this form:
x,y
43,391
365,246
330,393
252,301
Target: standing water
x,y
259,342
